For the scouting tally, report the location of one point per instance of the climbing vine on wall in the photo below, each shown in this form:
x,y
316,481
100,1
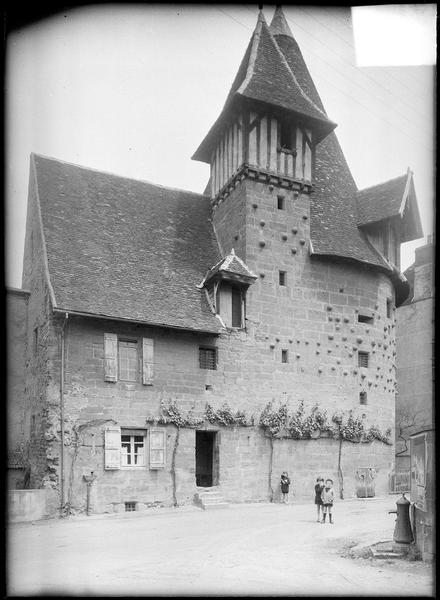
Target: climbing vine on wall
x,y
171,414
278,422
226,416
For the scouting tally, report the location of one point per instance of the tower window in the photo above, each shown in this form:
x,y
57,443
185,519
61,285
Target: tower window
x,y
363,398
281,203
389,308
282,277
208,358
286,141
284,356
363,359
362,318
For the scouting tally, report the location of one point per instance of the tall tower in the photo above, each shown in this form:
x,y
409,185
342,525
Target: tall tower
x,y
267,131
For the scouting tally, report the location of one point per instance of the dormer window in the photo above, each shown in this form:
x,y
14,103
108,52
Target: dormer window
x,y
226,284
230,302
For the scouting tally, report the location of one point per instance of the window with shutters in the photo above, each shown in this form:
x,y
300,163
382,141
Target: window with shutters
x,y
363,359
121,359
208,358
127,360
132,448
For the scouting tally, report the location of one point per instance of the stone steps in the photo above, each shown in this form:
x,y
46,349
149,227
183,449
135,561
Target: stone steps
x,y
209,498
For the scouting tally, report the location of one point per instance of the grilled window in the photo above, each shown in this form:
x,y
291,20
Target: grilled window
x,y
130,506
128,360
363,359
208,358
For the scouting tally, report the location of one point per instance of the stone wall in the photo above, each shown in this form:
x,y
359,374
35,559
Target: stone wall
x,y
16,341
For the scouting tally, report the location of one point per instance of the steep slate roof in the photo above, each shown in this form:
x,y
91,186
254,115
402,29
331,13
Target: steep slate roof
x,y
265,76
124,248
393,198
333,209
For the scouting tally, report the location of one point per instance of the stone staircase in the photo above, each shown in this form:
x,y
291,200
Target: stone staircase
x,y
208,498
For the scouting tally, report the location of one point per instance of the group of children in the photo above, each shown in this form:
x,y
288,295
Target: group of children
x,y
324,496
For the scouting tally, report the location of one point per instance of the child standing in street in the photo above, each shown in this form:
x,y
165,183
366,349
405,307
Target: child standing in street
x,y
284,483
327,496
318,500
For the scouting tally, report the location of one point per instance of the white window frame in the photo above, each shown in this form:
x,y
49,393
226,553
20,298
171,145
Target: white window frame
x,y
132,434
134,346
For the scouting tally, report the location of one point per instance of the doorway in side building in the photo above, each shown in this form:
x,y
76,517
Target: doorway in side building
x,y
207,458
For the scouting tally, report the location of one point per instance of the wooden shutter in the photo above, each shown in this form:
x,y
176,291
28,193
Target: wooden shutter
x,y
112,447
110,357
157,448
147,361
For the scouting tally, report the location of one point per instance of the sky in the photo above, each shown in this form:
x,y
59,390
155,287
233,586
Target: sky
x,y
133,89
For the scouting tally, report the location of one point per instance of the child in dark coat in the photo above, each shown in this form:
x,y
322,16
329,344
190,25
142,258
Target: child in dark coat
x,y
318,500
284,483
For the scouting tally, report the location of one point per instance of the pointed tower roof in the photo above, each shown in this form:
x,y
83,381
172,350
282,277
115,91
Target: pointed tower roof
x,y
279,25
265,76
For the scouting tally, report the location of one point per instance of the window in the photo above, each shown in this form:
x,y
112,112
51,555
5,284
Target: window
x,y
282,278
230,304
362,318
389,307
281,202
237,320
35,340
363,398
286,142
208,358
284,356
132,449
363,359
127,360
130,506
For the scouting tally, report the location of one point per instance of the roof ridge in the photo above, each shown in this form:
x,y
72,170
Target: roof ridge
x,y
382,183
256,37
95,170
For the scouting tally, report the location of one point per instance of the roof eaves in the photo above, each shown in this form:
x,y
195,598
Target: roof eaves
x,y
151,323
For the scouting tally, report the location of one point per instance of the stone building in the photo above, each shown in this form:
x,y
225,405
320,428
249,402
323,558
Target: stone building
x,y
414,469
276,286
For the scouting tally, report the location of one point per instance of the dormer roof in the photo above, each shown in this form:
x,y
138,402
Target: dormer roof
x,y
395,198
265,77
230,268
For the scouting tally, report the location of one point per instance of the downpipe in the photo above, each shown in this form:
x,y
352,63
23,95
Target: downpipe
x,y
63,353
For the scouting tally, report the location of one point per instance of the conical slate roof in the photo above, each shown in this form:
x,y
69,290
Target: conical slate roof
x,y
265,76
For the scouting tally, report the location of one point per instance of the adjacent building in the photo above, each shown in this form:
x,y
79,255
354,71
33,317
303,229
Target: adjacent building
x,y
161,324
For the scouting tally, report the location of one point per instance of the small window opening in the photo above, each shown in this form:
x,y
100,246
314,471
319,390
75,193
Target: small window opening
x,y
35,340
284,356
208,358
365,318
208,387
281,202
389,308
286,141
363,398
282,277
130,506
237,307
363,359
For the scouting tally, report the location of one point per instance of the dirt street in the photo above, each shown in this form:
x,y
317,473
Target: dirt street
x,y
246,549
